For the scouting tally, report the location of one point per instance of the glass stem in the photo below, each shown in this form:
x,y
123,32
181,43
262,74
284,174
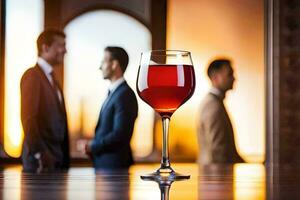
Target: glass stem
x,y
164,191
165,162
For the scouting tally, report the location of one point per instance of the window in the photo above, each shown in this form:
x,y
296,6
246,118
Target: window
x,y
24,22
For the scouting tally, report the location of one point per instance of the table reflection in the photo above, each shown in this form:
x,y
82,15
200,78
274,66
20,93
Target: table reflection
x,y
249,181
164,186
11,182
243,181
112,185
43,186
216,182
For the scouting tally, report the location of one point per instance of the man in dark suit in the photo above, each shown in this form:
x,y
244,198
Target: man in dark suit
x,y
110,149
43,114
216,137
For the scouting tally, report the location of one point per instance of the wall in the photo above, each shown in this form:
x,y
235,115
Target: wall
x,y
230,28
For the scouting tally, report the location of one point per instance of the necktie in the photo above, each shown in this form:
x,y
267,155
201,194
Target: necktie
x,y
56,87
102,108
107,99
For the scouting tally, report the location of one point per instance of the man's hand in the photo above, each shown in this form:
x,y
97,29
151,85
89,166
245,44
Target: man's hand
x,y
46,162
88,150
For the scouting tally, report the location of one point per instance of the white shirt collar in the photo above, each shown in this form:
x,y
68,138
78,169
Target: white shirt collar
x,y
116,84
217,92
46,67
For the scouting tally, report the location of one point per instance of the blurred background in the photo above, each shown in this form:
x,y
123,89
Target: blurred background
x,y
208,29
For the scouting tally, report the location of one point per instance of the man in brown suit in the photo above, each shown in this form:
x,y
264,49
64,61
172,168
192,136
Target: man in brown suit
x,y
215,134
43,113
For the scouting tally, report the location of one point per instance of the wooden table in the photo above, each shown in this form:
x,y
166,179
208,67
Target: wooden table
x,y
241,181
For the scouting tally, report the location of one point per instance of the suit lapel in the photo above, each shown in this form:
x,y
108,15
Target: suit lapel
x,y
112,96
228,121
229,126
108,103
51,88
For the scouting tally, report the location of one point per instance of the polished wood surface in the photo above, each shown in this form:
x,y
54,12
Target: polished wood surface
x,y
241,181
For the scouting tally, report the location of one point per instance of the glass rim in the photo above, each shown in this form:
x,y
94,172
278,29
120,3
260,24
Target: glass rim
x,y
171,52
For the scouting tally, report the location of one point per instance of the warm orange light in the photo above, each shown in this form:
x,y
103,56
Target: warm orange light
x,y
221,28
12,182
249,181
20,55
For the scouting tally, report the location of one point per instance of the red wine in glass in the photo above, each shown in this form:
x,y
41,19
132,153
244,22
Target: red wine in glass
x,y
166,80
169,86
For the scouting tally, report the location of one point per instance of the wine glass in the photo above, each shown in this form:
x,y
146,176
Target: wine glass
x,y
166,80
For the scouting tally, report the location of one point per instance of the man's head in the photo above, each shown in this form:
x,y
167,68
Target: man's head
x,y
114,63
221,75
51,46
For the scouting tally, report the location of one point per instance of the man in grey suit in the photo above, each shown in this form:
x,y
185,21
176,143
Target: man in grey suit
x,y
43,113
215,133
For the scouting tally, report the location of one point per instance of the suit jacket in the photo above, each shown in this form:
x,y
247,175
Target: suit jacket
x,y
44,121
111,145
215,133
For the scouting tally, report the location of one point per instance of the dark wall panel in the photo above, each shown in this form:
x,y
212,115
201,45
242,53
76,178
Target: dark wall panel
x,y
2,51
283,82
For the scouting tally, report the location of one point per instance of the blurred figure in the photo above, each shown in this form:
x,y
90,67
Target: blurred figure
x,y
215,134
43,114
110,149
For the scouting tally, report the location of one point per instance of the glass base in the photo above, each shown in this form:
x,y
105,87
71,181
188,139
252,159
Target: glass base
x,y
162,175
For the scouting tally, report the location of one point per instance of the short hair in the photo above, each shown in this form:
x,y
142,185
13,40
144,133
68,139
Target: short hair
x,y
119,54
47,37
216,66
